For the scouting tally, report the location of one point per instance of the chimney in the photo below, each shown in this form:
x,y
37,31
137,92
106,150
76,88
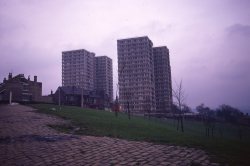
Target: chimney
x,y
28,78
10,76
35,78
4,80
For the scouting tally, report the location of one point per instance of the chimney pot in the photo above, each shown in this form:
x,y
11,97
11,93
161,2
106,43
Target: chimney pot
x,y
10,75
35,78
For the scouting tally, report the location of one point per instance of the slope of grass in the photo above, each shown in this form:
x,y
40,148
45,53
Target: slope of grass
x,y
100,123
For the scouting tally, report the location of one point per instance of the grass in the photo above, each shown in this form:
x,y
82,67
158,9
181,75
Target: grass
x,y
224,149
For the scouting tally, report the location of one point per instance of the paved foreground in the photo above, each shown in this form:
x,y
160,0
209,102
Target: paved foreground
x,y
25,139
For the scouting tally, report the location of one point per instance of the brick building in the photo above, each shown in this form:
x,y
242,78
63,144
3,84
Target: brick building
x,y
21,89
75,96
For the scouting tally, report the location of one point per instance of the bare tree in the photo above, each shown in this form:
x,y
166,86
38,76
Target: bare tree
x,y
179,96
207,116
231,115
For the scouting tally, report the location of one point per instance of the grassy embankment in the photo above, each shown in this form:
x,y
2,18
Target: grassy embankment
x,y
226,148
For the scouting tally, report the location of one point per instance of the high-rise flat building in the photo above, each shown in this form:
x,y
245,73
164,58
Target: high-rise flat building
x,y
104,75
78,69
163,85
136,75
144,76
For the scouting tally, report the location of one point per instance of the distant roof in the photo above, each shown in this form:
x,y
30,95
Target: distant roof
x,y
19,77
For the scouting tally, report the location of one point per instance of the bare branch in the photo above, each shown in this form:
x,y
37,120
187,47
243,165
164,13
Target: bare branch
x,y
179,96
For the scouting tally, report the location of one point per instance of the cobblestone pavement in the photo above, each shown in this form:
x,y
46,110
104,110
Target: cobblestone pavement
x,y
25,139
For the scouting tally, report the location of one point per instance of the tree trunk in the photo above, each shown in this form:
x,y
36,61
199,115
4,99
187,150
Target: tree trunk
x,y
240,133
212,131
182,128
177,124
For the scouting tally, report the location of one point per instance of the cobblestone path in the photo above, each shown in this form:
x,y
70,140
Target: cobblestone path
x,y
25,139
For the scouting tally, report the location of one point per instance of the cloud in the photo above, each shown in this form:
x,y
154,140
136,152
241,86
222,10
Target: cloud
x,y
239,30
225,77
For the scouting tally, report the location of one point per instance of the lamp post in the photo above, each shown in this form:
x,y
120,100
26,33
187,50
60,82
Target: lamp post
x,y
10,99
59,98
82,97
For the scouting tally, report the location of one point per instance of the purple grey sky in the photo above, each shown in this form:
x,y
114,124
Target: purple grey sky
x,y
209,40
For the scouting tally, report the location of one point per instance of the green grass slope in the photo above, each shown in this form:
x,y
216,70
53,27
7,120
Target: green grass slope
x,y
224,149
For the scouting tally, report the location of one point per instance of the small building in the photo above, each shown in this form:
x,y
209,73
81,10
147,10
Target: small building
x,y
20,89
75,96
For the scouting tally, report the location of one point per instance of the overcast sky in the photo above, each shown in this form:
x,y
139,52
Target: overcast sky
x,y
209,40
